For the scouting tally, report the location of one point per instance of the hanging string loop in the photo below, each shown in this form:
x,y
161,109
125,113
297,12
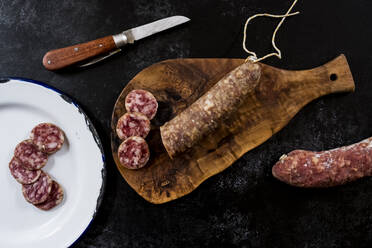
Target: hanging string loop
x,y
278,53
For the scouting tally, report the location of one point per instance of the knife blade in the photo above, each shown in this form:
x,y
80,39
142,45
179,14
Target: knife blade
x,y
63,57
154,27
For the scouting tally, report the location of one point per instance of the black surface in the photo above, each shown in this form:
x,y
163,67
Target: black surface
x,y
244,206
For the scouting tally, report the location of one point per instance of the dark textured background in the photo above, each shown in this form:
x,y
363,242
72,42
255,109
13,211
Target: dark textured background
x,y
244,206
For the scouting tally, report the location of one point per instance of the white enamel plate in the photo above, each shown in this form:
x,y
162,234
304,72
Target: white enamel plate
x,y
78,167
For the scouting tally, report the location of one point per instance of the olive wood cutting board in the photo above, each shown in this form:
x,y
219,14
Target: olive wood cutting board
x,y
177,83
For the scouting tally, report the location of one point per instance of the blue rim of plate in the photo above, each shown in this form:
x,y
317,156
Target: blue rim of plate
x,y
90,126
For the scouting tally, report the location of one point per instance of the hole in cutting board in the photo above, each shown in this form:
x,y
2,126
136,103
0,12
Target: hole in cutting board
x,y
333,77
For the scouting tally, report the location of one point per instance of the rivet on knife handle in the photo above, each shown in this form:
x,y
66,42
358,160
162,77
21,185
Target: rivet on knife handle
x,y
63,57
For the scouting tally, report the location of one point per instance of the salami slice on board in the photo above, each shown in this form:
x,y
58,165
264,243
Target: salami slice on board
x,y
205,115
134,153
55,197
133,124
47,137
21,174
38,191
141,101
30,156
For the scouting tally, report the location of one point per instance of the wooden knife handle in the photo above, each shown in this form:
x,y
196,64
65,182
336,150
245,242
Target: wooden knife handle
x,y
60,58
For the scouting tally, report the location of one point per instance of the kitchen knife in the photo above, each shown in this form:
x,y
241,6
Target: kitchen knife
x,y
63,57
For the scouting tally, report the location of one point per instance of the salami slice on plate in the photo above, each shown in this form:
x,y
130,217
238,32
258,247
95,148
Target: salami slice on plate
x,y
141,101
30,157
133,124
38,192
47,137
55,197
134,153
21,174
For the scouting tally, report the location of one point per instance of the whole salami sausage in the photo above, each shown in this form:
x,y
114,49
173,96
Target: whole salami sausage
x,y
38,191
204,116
327,168
134,153
143,102
21,174
133,124
54,199
47,137
30,157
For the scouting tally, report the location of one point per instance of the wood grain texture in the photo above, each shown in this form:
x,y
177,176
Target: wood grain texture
x,y
177,83
63,57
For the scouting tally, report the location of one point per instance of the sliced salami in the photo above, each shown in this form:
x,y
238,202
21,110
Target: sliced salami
x,y
134,153
143,102
55,197
133,124
47,137
29,155
21,174
38,192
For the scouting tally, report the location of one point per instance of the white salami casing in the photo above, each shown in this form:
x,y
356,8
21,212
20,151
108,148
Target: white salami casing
x,y
206,114
143,102
21,174
30,156
38,191
47,137
134,153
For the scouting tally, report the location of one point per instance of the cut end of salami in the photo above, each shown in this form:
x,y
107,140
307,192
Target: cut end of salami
x,y
38,192
134,153
21,174
47,137
54,199
143,102
30,156
133,124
